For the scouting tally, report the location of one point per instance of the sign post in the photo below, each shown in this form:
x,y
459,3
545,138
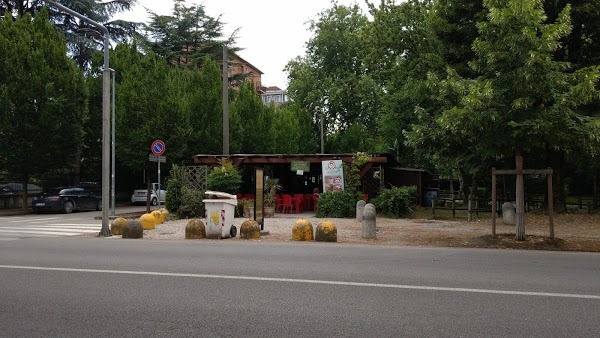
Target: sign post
x,y
158,148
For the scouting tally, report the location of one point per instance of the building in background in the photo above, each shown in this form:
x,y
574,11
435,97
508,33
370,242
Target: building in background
x,y
273,94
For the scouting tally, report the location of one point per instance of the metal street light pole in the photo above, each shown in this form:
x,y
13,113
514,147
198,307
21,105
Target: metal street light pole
x,y
105,115
225,101
112,146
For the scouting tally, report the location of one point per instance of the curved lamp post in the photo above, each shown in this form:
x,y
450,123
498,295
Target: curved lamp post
x,y
105,231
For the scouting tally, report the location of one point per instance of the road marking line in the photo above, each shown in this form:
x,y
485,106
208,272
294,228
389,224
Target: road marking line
x,y
42,232
310,281
50,228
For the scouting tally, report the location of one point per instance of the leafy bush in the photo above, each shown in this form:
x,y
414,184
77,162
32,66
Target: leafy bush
x,y
191,203
337,204
396,202
173,198
224,178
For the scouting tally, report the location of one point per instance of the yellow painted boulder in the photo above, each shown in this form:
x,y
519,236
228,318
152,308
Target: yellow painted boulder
x,y
302,231
165,213
117,225
326,232
250,229
148,221
159,216
195,229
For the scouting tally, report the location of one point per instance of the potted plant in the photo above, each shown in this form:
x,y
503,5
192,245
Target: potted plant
x,y
271,188
270,203
247,207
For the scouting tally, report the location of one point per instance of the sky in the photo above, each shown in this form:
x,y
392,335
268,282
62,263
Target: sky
x,y
271,32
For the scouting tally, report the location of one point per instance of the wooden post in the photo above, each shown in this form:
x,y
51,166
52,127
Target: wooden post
x,y
469,207
493,203
550,204
433,207
520,192
452,193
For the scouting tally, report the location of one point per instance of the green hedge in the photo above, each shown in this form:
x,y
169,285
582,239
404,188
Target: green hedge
x,y
396,202
337,204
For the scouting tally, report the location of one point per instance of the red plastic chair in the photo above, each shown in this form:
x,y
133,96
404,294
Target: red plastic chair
x,y
287,203
298,203
278,203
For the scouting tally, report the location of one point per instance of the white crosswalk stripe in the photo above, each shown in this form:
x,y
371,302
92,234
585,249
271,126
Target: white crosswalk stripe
x,y
46,228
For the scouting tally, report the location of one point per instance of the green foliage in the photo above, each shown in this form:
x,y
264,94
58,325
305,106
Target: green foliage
x,y
173,199
186,36
191,203
337,204
224,178
80,45
352,182
42,98
396,202
332,81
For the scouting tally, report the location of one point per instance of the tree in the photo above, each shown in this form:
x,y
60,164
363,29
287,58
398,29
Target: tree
x,y
81,45
523,100
187,36
43,96
331,80
249,122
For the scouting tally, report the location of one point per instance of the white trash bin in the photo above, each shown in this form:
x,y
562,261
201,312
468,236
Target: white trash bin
x,y
219,212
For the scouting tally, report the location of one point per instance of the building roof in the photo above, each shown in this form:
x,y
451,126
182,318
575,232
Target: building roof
x,y
238,159
235,55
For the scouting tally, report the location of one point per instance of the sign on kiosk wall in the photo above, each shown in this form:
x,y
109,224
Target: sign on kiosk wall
x,y
333,175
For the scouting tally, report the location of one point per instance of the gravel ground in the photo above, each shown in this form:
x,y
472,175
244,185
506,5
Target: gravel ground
x,y
573,232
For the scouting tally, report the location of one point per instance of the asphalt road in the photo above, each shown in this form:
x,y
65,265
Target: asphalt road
x,y
118,287
15,226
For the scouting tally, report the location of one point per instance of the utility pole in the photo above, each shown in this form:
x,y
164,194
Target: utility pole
x,y
225,101
105,116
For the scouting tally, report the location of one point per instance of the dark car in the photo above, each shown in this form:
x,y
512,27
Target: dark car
x,y
67,200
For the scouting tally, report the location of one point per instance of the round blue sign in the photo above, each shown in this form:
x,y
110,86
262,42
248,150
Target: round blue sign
x,y
158,147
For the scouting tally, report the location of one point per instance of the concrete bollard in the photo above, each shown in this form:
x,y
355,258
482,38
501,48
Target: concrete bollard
x,y
369,226
117,225
195,229
360,206
148,221
326,232
133,229
302,231
250,229
509,213
158,216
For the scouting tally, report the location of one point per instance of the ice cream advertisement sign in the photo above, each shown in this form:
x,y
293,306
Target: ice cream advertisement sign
x,y
333,175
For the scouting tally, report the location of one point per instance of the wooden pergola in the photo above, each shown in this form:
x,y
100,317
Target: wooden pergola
x,y
262,159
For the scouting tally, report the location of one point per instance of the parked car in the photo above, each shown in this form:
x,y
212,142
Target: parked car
x,y
140,195
67,200
11,189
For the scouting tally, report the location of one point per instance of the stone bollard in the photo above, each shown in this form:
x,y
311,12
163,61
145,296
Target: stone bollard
x,y
509,213
360,206
369,226
250,229
302,231
195,229
117,225
148,221
326,232
158,216
165,213
133,229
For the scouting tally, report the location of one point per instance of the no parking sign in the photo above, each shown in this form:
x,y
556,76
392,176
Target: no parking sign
x,y
158,147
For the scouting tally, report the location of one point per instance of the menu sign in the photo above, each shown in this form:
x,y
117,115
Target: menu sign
x,y
333,175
